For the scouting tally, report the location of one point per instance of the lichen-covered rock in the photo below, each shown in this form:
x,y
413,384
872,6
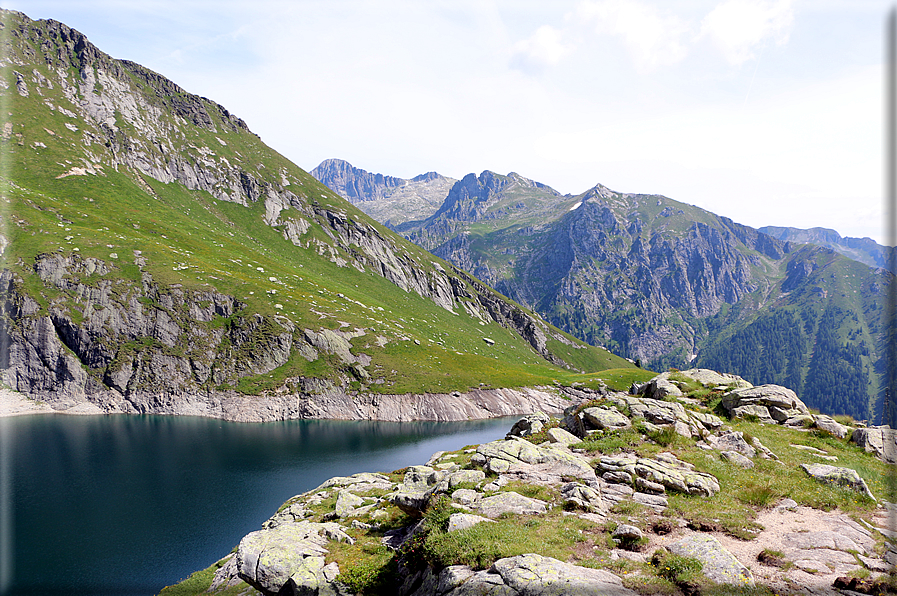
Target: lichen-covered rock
x,y
579,496
732,441
462,521
510,502
770,403
289,558
525,575
604,417
719,565
845,477
563,437
499,456
666,470
529,425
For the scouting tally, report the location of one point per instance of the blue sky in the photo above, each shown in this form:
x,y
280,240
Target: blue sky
x,y
766,111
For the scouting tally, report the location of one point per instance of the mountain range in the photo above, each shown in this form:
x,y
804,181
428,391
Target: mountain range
x,y
159,257
673,285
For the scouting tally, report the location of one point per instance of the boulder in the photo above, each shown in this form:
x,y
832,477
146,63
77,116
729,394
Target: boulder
x,y
626,533
530,574
346,503
289,558
466,496
562,437
732,441
465,477
414,503
579,496
499,456
510,502
772,404
665,470
529,425
839,476
660,387
831,426
713,379
462,521
604,417
733,457
880,440
719,565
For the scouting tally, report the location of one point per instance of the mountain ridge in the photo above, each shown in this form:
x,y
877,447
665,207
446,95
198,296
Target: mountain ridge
x,y
664,282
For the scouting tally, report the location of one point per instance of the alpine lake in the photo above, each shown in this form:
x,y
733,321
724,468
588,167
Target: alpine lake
x,y
107,505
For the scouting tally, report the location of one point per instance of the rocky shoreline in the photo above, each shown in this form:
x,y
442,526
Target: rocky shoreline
x,y
476,404
694,472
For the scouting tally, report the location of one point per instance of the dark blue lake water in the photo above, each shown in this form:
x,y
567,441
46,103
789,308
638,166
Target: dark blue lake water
x,y
129,504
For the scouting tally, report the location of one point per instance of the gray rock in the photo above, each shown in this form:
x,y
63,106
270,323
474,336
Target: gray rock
x,y
462,521
829,425
618,477
771,403
880,440
605,417
466,497
646,486
627,533
582,497
529,425
510,502
839,476
288,557
529,575
465,477
561,436
411,502
719,565
665,470
731,441
346,503
733,457
656,502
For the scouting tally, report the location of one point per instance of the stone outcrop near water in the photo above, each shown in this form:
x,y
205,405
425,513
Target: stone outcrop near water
x,y
629,508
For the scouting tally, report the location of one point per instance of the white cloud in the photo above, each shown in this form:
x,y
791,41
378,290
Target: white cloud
x,y
544,48
738,27
653,38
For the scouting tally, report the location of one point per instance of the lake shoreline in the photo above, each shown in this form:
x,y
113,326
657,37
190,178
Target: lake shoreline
x,y
476,404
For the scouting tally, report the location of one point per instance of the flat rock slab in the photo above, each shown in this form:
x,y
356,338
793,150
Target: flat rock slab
x,y
510,502
462,521
845,477
530,575
720,565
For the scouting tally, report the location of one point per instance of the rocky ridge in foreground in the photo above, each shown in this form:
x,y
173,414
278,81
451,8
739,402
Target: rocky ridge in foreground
x,y
692,483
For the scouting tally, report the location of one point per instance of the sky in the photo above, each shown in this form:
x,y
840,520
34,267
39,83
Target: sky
x,y
769,112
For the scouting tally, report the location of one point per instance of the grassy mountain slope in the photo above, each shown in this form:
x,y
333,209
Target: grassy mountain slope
x,y
156,250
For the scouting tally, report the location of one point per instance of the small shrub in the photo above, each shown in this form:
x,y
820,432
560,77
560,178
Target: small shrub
x,y
675,568
758,495
665,436
772,558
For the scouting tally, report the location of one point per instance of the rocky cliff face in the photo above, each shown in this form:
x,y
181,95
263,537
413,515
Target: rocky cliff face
x,y
387,199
